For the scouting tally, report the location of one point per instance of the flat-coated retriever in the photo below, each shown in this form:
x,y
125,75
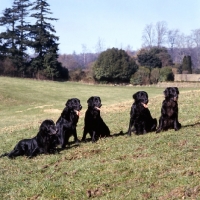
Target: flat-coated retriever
x,y
94,124
40,144
169,110
66,124
140,116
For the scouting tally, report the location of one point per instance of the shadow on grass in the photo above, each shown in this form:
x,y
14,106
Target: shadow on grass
x,y
121,133
191,125
69,146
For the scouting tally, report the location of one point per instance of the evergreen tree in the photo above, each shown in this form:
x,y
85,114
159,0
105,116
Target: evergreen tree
x,y
187,65
8,38
44,42
21,8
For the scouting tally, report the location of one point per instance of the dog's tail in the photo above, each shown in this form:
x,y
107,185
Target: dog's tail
x,y
3,155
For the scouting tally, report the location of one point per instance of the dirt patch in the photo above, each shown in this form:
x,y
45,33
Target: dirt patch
x,y
182,193
52,111
42,106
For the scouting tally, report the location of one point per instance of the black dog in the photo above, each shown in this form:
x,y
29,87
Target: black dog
x,y
67,122
169,110
94,124
140,116
41,143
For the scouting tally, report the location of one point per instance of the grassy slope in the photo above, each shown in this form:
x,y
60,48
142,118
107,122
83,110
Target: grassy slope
x,y
151,166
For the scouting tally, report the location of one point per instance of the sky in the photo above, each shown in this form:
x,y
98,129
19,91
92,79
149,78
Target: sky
x,y
82,24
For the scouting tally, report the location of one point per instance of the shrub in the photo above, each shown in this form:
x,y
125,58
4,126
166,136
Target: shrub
x,y
141,77
166,74
155,74
114,65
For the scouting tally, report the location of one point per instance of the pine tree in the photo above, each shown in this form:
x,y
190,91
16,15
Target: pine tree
x,y
21,8
44,41
8,38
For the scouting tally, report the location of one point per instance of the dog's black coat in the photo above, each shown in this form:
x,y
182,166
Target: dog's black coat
x,y
94,124
40,144
140,117
66,124
169,110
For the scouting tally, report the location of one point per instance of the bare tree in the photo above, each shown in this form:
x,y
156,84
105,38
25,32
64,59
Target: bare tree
x,y
84,49
161,33
148,36
100,46
196,39
171,39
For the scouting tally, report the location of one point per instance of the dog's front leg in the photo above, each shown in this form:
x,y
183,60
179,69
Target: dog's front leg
x,y
84,134
177,125
35,152
130,127
14,153
93,136
63,139
160,125
76,140
132,119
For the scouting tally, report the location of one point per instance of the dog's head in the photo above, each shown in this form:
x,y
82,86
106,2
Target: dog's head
x,y
94,102
48,127
171,93
141,97
74,105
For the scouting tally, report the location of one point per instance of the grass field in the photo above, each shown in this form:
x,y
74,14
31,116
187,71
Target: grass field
x,y
153,166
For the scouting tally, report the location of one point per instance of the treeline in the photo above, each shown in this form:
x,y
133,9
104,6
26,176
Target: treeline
x,y
29,49
146,66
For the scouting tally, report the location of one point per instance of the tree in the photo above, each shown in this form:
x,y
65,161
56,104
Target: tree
x,y
187,65
154,57
114,65
99,46
161,33
148,36
149,59
196,40
172,37
163,55
8,38
21,8
44,41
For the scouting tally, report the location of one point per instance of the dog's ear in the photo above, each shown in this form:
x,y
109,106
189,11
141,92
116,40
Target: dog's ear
x,y
177,91
43,129
90,101
69,103
135,96
99,99
166,92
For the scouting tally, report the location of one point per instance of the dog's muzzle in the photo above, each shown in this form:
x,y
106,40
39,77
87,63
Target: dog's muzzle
x,y
77,112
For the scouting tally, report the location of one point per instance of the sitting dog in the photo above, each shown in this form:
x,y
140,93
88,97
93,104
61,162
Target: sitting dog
x,y
66,124
169,110
94,124
41,143
140,116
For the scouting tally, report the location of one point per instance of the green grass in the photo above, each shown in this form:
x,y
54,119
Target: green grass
x,y
152,166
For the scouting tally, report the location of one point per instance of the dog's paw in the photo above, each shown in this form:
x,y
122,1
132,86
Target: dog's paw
x,y
158,131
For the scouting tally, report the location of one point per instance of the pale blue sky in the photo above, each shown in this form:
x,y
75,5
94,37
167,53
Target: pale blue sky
x,y
118,23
